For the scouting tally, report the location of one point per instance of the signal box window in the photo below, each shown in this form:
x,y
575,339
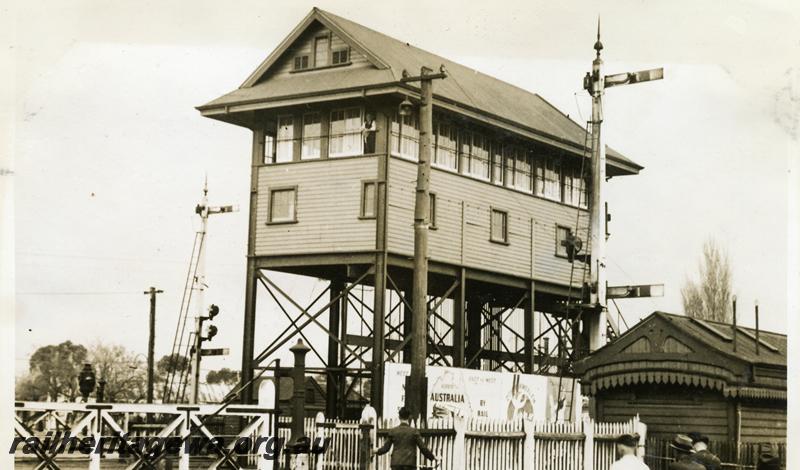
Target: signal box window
x,y
345,133
499,226
311,136
368,200
562,233
284,150
269,149
283,205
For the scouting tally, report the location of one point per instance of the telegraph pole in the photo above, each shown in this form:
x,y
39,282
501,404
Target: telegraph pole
x,y
151,344
595,83
416,387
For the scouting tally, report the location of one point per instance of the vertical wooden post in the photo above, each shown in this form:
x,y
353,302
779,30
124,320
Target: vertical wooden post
x,y
408,316
97,424
528,446
332,385
588,443
368,426
459,459
459,319
248,334
183,459
319,437
415,384
379,299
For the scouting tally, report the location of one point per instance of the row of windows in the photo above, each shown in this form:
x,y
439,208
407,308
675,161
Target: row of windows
x,y
346,136
473,153
456,149
323,56
283,209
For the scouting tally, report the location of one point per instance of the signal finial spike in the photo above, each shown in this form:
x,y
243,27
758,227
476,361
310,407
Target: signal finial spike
x,y
205,184
598,46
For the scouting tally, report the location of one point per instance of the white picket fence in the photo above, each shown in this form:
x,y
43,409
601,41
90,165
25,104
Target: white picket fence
x,y
482,444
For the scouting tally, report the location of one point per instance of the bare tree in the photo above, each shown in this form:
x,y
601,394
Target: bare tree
x,y
709,297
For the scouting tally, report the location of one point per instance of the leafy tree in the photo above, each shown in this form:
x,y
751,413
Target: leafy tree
x,y
709,297
172,363
28,388
54,370
223,376
125,373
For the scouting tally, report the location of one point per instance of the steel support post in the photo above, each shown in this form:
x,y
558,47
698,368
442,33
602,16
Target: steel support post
x,y
334,320
459,319
528,331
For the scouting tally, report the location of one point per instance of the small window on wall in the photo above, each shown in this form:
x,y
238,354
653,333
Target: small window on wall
x,y
311,136
283,205
301,62
562,233
499,226
432,213
341,56
369,199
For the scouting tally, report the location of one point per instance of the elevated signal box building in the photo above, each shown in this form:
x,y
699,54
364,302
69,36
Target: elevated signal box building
x,y
332,197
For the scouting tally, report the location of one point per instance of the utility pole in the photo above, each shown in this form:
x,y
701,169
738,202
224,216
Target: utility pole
x,y
151,343
416,387
595,83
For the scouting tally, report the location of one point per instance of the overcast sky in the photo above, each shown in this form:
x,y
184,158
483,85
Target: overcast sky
x,y
111,154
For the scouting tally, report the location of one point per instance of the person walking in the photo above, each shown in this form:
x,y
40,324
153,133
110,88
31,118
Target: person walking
x,y
626,450
702,455
682,449
405,439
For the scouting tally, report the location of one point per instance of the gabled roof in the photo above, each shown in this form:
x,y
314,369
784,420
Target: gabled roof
x,y
465,88
668,348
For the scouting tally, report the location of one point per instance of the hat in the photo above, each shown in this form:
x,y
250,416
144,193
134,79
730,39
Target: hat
x,y
682,443
628,440
697,437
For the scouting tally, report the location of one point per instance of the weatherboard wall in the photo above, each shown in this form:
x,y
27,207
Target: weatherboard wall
x,y
462,227
328,207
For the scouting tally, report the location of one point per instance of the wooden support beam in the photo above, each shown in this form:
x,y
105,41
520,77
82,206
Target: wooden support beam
x,y
474,309
459,320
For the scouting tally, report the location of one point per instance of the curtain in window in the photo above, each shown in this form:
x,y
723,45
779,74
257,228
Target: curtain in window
x,y
405,138
345,133
446,148
522,171
497,163
282,205
499,220
285,143
479,157
312,130
552,179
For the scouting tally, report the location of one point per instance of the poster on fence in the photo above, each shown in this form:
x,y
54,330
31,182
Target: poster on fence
x,y
477,393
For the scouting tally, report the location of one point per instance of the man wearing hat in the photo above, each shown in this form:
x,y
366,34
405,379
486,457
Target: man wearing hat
x,y
702,455
626,450
682,448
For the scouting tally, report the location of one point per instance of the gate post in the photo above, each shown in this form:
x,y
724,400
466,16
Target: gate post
x,y
459,457
640,428
588,443
368,425
528,446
